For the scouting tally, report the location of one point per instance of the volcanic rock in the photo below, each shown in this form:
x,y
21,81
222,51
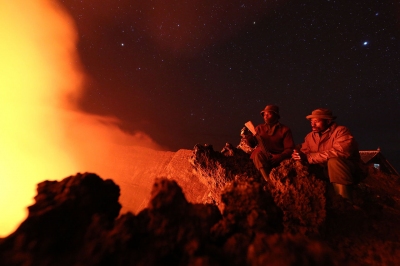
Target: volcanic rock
x,y
57,222
301,196
295,219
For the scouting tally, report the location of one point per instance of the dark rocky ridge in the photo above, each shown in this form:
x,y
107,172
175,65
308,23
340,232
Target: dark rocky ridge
x,y
296,219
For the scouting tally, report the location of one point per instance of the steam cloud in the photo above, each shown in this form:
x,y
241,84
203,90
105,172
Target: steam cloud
x,y
43,133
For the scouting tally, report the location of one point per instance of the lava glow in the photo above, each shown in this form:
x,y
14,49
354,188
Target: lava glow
x,y
43,135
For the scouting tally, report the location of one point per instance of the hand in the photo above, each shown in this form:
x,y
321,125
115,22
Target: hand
x,y
299,156
245,132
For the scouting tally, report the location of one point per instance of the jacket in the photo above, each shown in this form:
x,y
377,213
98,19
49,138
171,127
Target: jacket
x,y
336,141
280,142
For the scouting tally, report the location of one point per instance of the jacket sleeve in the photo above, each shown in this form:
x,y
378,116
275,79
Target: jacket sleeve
x,y
342,146
288,145
305,146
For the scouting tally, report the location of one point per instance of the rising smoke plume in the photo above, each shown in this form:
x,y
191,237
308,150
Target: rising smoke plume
x,y
44,135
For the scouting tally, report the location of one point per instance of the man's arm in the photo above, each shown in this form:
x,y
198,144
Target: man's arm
x,y
299,152
342,146
288,146
260,142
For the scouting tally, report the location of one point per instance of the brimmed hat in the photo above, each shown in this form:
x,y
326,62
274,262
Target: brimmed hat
x,y
321,113
271,108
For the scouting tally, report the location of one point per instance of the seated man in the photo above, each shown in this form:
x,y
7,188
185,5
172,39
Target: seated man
x,y
275,142
332,147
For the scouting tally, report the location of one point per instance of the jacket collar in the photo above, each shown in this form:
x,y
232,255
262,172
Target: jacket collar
x,y
327,133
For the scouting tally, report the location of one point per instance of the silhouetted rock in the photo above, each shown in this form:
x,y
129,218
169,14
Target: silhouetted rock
x,y
296,219
301,196
57,222
170,231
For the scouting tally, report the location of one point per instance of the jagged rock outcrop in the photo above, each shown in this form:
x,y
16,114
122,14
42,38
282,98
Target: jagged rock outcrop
x,y
297,192
301,196
289,249
57,222
360,234
216,169
295,219
170,231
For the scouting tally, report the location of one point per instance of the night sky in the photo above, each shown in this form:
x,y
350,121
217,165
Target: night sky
x,y
188,72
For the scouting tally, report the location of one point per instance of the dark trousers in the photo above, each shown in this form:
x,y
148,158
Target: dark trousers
x,y
338,170
260,160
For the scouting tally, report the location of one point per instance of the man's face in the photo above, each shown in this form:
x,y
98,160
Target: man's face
x,y
319,125
270,117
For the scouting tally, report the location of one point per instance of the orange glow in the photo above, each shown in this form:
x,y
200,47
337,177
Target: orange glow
x,y
43,135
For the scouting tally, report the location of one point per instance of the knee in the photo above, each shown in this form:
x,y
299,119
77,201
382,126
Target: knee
x,y
340,171
257,155
334,161
337,163
259,160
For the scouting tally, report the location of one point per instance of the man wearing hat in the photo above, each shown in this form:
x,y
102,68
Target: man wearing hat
x,y
334,148
276,142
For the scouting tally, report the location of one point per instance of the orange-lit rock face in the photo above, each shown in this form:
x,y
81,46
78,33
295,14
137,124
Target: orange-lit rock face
x,y
43,134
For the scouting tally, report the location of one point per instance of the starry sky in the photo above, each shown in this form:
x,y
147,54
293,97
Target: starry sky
x,y
188,72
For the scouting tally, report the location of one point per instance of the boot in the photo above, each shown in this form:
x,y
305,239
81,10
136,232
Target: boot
x,y
264,174
343,190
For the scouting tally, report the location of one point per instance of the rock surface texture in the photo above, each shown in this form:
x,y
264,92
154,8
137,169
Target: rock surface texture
x,y
232,218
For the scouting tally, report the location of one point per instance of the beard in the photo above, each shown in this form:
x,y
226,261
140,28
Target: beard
x,y
321,128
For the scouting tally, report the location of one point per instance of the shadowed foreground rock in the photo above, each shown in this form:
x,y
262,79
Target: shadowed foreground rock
x,y
296,219
58,221
68,226
301,196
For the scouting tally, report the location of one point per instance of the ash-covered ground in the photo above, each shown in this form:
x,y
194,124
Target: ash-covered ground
x,y
296,219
